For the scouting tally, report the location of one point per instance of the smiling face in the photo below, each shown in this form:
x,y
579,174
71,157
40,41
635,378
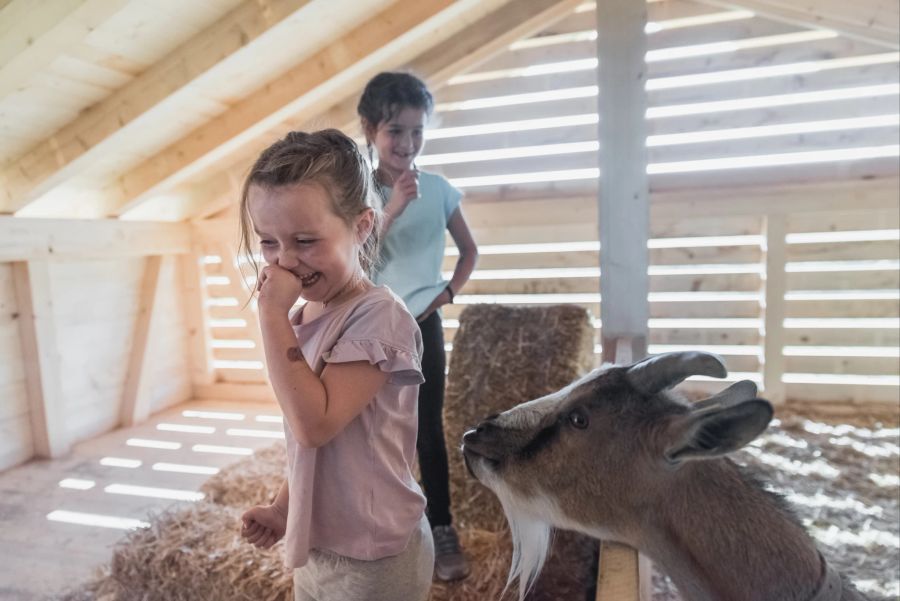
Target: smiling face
x,y
399,140
299,231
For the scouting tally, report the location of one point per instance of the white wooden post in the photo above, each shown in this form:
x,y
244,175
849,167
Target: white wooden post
x,y
624,215
196,313
775,285
624,209
40,355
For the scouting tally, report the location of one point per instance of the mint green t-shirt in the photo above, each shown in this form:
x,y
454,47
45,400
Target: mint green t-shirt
x,y
413,250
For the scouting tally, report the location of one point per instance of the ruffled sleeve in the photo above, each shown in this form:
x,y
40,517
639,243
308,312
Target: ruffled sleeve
x,y
403,366
382,332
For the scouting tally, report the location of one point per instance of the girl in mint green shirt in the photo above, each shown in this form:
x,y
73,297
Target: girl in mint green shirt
x,y
419,209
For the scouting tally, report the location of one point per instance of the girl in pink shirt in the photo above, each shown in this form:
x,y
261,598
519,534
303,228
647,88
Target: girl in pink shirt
x,y
345,370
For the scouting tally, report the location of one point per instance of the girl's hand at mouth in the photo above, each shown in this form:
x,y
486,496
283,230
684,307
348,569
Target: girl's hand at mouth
x,y
406,188
278,289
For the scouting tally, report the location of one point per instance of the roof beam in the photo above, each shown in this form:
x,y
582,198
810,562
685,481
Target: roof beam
x,y
24,239
106,123
339,69
846,18
478,42
33,34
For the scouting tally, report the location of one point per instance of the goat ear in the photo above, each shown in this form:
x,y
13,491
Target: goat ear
x,y
659,372
715,429
743,390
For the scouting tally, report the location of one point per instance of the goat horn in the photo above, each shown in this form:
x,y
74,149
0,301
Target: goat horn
x,y
668,369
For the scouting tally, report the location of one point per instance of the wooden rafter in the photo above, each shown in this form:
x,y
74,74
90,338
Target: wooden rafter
x,y
342,64
35,33
479,42
23,239
107,123
849,19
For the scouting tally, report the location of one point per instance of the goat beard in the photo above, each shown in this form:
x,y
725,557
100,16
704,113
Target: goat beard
x,y
531,535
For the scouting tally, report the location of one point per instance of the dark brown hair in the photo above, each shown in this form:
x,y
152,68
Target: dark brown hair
x,y
390,92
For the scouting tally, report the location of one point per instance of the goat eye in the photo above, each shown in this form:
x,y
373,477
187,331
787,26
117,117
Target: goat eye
x,y
578,419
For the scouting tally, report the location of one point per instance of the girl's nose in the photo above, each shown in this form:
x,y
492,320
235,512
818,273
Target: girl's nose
x,y
407,143
287,260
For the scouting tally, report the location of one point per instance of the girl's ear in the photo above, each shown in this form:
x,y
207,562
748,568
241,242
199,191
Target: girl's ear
x,y
364,224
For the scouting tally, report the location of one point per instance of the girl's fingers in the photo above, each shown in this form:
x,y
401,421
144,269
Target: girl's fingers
x,y
254,530
267,541
249,529
258,536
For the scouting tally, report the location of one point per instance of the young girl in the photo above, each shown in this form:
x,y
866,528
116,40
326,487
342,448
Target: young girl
x,y
420,208
345,370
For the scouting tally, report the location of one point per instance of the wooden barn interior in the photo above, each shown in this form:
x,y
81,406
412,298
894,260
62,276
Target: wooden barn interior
x,y
756,157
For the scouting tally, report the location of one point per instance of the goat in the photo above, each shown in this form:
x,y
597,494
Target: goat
x,y
617,456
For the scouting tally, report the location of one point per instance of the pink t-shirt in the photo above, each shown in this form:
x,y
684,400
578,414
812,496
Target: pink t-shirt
x,y
356,496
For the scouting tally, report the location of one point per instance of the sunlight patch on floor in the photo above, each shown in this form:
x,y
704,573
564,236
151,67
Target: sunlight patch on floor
x,y
153,492
94,519
224,450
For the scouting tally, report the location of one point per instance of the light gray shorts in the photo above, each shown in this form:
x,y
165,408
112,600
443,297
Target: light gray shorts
x,y
404,577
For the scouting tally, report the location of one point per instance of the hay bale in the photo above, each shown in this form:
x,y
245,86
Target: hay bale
x,y
196,552
254,480
501,357
188,553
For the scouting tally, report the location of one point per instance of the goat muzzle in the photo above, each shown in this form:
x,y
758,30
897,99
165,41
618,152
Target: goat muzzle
x,y
477,446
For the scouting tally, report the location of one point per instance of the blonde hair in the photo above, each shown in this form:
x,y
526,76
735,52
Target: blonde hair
x,y
328,158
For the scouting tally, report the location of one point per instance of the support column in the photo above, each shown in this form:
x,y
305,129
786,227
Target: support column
x,y
623,201
624,214
40,356
775,285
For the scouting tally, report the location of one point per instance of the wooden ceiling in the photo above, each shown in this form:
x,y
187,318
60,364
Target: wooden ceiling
x,y
153,110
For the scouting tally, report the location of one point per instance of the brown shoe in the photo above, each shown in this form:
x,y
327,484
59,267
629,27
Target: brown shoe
x,y
449,561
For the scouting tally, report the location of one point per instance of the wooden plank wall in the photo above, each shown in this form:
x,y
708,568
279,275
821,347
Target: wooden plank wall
x,y
837,341
531,197
89,307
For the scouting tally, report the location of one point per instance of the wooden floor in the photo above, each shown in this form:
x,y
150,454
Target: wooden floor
x,y
42,556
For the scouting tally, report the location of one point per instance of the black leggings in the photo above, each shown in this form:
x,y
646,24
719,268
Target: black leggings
x,y
430,442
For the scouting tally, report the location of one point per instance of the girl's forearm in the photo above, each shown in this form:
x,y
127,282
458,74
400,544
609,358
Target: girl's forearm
x,y
465,265
299,391
282,497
